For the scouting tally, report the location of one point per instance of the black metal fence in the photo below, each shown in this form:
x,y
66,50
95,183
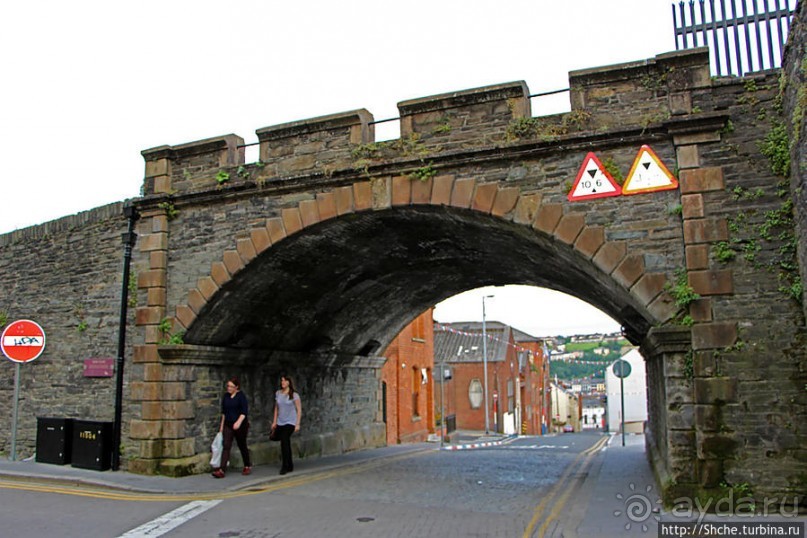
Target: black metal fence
x,y
743,36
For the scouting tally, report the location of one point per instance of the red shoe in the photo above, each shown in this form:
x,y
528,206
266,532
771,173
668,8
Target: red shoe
x,y
246,471
218,473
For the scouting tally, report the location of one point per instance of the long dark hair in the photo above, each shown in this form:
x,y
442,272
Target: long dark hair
x,y
234,381
291,384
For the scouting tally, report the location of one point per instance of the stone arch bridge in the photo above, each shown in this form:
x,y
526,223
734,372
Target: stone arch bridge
x,y
315,257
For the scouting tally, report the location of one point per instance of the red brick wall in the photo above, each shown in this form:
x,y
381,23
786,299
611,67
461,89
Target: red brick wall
x,y
410,352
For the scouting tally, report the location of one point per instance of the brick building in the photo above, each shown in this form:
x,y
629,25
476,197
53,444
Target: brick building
x,y
407,385
512,383
535,394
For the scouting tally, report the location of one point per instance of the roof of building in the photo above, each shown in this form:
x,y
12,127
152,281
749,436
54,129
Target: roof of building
x,y
462,341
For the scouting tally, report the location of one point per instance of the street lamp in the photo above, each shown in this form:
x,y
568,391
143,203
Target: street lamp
x,y
485,362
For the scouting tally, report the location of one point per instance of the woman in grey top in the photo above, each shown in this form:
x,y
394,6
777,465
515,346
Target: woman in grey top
x,y
288,412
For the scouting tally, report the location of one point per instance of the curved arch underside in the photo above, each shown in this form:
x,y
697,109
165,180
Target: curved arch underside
x,y
347,282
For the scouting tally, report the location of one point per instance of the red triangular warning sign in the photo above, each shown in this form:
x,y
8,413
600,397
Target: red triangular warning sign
x,y
593,181
648,174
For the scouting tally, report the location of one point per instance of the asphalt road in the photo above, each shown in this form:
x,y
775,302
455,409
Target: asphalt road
x,y
515,489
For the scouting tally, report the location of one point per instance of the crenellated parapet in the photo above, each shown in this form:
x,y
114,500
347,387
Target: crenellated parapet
x,y
636,95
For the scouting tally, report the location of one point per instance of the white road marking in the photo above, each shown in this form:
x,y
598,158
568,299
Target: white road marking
x,y
171,520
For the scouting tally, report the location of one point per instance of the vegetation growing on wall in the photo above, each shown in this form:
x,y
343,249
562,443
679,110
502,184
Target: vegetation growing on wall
x,y
412,146
684,295
166,337
547,128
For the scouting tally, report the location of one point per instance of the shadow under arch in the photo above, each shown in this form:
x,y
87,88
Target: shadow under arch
x,y
341,284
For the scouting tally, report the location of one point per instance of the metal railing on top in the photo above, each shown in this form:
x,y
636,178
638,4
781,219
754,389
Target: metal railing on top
x,y
732,30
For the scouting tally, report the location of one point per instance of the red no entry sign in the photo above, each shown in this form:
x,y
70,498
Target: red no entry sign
x,y
22,341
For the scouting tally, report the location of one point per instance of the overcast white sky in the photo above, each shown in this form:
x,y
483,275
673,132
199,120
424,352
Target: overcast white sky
x,y
87,85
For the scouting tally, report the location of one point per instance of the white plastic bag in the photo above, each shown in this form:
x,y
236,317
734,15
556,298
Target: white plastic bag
x,y
217,448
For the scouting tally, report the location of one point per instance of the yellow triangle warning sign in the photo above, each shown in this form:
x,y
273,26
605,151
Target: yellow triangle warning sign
x,y
593,181
648,174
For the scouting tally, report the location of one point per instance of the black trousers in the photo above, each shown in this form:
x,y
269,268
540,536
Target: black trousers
x,y
240,436
285,431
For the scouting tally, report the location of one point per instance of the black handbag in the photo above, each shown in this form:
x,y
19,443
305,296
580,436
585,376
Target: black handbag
x,y
273,435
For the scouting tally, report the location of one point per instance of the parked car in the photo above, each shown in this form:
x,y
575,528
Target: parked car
x,y
568,429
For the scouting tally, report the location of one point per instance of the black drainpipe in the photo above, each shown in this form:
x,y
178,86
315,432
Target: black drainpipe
x,y
129,238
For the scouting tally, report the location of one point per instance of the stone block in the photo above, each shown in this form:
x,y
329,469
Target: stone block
x,y
505,201
145,315
462,192
692,206
441,192
158,259
590,239
344,200
207,287
277,232
232,261
548,217
381,188
702,180
246,249
362,196
715,390
219,273
569,227
610,255
196,301
292,222
402,190
422,191
156,296
260,239
680,417
153,241
707,418
714,335
701,309
527,208
167,410
153,372
705,230
630,270
157,167
688,157
663,307
715,446
154,278
153,334
704,364
145,429
648,287
326,205
697,257
159,224
163,185
484,196
309,212
718,282
147,353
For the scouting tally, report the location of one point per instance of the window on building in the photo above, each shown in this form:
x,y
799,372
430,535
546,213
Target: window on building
x,y
475,394
419,328
415,391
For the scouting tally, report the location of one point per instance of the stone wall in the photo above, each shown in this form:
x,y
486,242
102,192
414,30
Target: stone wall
x,y
65,275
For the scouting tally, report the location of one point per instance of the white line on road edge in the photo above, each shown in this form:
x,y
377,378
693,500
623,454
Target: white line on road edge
x,y
171,520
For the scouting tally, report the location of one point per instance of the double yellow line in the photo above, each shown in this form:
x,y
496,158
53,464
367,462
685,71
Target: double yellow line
x,y
579,465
